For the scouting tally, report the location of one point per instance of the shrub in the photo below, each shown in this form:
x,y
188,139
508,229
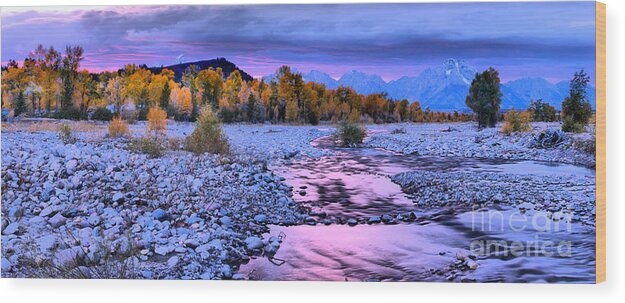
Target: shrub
x,y
516,122
65,134
208,136
157,120
102,114
588,146
70,113
349,134
147,145
570,126
118,128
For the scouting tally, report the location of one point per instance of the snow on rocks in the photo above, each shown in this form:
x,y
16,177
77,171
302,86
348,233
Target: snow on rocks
x,y
435,139
177,217
571,194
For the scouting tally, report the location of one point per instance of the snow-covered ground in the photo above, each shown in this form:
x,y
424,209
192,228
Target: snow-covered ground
x,y
466,140
76,210
93,209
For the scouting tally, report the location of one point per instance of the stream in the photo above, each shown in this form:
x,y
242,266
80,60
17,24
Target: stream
x,y
355,183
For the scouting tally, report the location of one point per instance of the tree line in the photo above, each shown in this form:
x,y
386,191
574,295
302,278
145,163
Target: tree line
x,y
51,84
484,98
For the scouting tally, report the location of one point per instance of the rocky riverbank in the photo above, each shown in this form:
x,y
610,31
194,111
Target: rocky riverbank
x,y
92,209
564,197
466,140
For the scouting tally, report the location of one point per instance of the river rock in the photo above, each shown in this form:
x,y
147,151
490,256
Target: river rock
x,y
159,214
11,228
57,220
260,218
253,243
173,261
374,220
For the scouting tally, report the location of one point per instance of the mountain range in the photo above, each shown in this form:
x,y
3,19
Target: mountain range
x,y
445,87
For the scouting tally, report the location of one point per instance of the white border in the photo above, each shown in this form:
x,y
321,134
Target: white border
x,y
295,292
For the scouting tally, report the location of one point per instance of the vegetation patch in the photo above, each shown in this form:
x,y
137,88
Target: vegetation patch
x,y
150,145
157,120
208,136
349,134
118,128
516,122
65,134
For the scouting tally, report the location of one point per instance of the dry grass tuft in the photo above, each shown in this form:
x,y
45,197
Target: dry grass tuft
x,y
118,128
517,122
157,120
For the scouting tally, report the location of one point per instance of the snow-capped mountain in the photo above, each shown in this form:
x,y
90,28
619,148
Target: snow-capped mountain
x,y
363,83
321,77
441,87
445,87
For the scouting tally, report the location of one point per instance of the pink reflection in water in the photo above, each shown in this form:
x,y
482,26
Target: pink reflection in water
x,y
407,252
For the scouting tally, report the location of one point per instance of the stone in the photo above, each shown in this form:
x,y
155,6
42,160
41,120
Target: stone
x,y
196,186
352,222
118,197
374,220
94,220
6,265
225,221
310,221
226,271
11,228
47,242
253,243
71,165
57,220
68,257
260,218
163,249
173,261
472,264
159,214
46,212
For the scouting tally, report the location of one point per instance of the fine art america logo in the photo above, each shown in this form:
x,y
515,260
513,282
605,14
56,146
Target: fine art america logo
x,y
535,233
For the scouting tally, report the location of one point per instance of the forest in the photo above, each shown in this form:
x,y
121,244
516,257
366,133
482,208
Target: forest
x,y
52,84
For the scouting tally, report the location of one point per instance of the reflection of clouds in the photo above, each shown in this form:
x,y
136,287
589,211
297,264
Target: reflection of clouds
x,y
381,39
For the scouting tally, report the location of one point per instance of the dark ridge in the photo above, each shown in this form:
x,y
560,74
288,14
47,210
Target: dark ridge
x,y
226,66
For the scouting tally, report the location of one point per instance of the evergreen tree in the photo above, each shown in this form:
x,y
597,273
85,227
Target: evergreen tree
x,y
251,103
20,104
576,109
164,102
542,111
485,97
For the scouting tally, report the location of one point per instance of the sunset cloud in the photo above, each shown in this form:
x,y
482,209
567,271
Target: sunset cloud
x,y
550,40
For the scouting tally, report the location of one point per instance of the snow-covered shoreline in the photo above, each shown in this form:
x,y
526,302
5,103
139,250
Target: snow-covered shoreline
x,y
466,140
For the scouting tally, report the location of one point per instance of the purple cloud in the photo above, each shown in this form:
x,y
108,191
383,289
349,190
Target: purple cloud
x,y
546,39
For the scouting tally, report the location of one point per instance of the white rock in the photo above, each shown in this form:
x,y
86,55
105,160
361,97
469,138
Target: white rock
x,y
57,220
6,265
118,197
253,243
173,261
11,228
